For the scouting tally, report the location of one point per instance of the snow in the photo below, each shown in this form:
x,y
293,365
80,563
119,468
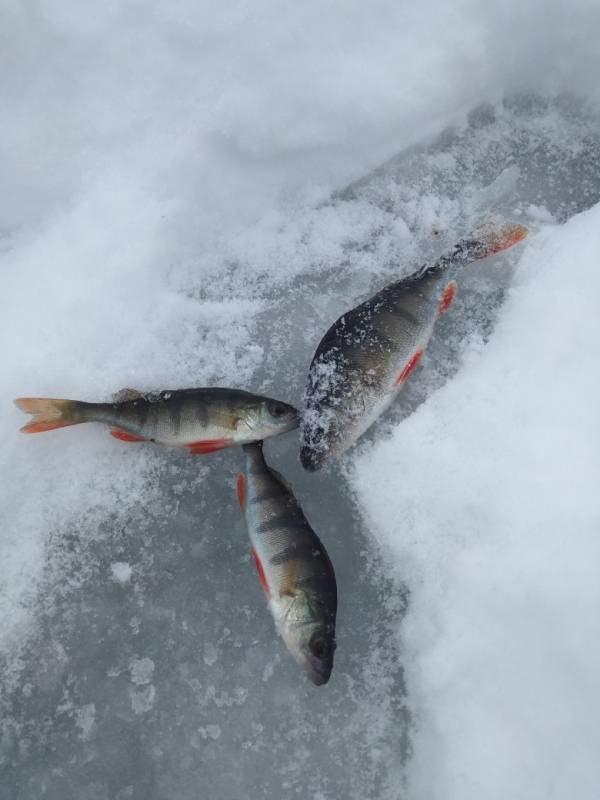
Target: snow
x,y
121,572
191,194
487,501
141,670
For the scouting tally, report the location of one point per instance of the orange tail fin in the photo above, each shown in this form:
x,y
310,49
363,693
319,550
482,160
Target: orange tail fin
x,y
47,413
497,237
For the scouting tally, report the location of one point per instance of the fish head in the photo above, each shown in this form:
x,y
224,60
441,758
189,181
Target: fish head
x,y
275,416
320,437
324,398
331,426
266,417
309,633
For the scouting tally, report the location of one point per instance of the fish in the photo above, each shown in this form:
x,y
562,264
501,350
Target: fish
x,y
293,567
369,353
200,420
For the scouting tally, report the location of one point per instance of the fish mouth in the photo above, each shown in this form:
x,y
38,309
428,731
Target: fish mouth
x,y
283,424
293,419
311,459
319,679
319,672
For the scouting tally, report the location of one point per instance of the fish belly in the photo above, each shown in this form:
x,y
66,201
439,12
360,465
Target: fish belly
x,y
375,400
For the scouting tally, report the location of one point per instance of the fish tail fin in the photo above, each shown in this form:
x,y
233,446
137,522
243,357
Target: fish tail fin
x,y
492,238
48,413
485,241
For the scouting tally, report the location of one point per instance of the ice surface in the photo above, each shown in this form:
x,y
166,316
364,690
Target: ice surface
x,y
173,213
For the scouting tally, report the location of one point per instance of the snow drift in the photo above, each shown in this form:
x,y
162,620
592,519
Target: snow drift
x,y
487,501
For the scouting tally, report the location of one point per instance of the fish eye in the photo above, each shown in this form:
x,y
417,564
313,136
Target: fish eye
x,y
277,409
319,647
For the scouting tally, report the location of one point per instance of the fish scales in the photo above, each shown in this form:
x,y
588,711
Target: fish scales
x,y
202,420
294,567
369,353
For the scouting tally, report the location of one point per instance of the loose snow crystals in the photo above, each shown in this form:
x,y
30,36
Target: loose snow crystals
x,y
121,572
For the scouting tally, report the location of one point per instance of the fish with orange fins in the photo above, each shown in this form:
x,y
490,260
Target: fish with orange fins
x,y
293,567
369,353
200,420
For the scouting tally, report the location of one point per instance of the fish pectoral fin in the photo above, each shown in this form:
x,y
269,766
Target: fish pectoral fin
x,y
207,446
241,424
288,587
124,436
123,395
447,297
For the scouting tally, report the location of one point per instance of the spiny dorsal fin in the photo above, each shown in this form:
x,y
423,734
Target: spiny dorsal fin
x,y
124,395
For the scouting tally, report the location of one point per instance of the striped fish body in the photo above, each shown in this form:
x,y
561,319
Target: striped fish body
x,y
202,420
294,569
369,353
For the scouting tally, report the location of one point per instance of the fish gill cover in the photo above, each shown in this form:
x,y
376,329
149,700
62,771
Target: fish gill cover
x,y
173,213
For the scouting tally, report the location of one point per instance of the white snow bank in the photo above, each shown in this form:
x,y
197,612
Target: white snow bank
x,y
487,500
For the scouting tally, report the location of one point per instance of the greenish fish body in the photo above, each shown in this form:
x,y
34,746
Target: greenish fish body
x,y
294,569
201,420
369,353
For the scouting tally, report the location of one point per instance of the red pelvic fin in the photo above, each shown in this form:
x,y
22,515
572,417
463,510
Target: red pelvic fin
x,y
447,297
261,573
123,436
241,491
208,446
409,368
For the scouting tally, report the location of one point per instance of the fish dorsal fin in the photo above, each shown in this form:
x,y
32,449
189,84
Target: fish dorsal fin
x,y
123,395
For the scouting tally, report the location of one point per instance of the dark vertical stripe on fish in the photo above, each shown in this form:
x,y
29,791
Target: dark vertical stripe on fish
x,y
303,549
175,416
201,412
141,407
272,493
318,582
405,314
284,520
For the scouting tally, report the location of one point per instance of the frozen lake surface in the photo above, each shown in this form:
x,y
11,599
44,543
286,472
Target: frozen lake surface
x,y
148,665
191,194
